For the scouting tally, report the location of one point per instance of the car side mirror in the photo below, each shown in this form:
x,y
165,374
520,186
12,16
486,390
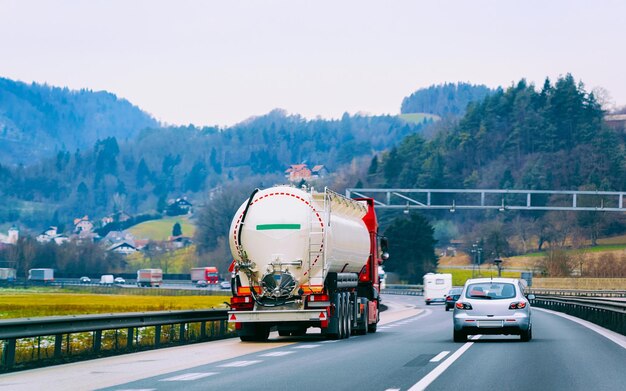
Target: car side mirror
x,y
531,297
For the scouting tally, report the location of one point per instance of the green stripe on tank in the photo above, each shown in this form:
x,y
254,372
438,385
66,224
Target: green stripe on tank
x,y
264,227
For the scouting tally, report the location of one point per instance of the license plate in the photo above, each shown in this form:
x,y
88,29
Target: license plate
x,y
490,323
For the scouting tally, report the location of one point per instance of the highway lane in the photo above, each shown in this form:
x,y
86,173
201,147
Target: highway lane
x,y
409,348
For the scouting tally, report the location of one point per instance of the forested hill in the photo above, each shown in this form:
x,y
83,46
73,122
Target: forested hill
x,y
38,120
551,137
140,175
449,99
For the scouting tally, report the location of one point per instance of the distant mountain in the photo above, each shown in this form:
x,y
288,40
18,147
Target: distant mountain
x,y
37,120
449,99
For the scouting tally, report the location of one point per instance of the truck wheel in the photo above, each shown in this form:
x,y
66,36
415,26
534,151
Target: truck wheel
x,y
347,318
362,325
341,316
284,333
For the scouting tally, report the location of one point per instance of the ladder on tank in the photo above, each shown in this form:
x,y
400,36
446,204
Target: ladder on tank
x,y
317,236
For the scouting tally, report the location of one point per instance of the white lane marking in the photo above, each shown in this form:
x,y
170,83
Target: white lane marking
x,y
435,373
476,337
392,389
611,335
276,354
330,341
440,356
306,346
189,376
239,364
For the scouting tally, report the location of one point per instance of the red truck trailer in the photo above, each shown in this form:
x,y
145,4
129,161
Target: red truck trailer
x,y
209,274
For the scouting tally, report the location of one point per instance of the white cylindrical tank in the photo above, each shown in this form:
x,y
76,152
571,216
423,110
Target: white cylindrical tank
x,y
307,234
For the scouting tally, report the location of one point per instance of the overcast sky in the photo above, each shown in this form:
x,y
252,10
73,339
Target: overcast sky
x,y
219,62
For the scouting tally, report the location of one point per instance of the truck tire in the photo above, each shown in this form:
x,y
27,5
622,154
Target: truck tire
x,y
362,329
347,318
254,333
341,316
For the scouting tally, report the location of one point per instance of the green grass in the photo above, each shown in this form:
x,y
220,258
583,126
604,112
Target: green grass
x,y
459,276
417,118
33,303
162,229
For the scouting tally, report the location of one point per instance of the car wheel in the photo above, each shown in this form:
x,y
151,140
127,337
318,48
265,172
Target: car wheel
x,y
459,336
527,335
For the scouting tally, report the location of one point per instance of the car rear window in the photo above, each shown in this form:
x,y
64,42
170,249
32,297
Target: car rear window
x,y
490,291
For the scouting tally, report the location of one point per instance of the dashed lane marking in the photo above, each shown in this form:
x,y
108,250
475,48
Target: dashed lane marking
x,y
435,373
440,356
306,346
330,341
239,364
276,354
189,376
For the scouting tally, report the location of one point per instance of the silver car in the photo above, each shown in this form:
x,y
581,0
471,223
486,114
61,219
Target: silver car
x,y
492,306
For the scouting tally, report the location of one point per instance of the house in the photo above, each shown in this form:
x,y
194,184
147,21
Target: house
x,y
616,121
117,217
298,172
82,225
319,171
11,237
179,206
176,242
119,236
123,248
50,235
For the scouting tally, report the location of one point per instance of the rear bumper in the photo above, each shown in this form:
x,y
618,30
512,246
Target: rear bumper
x,y
277,316
491,325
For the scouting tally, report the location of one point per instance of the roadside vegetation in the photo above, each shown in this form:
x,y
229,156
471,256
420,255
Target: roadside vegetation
x,y
16,303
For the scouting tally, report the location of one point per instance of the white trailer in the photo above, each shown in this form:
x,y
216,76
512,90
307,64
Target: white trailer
x,y
149,277
436,287
8,274
42,275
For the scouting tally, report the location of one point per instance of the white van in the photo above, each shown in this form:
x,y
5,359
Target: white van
x,y
436,287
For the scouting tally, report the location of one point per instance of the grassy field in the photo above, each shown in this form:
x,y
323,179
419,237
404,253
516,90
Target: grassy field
x,y
459,276
33,303
162,229
418,118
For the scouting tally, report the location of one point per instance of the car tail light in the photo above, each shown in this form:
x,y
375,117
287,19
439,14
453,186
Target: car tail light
x,y
448,298
517,305
241,303
463,306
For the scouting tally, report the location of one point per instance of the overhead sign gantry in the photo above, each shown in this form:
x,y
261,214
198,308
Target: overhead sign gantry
x,y
502,200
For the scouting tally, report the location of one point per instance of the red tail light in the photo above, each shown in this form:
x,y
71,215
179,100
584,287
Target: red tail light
x,y
318,301
241,303
517,305
448,298
463,306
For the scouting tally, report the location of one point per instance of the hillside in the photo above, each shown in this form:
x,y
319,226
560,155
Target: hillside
x,y
448,99
37,121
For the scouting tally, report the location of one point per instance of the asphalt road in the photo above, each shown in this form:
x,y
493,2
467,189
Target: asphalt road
x,y
413,349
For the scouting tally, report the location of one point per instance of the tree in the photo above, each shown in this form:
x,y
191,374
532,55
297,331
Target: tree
x,y
411,247
177,230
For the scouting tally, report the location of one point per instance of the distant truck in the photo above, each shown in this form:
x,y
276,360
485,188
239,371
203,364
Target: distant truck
x,y
149,277
436,287
8,274
106,279
41,275
208,274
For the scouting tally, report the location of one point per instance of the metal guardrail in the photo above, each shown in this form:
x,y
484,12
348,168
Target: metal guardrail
x,y
578,293
605,312
130,330
409,290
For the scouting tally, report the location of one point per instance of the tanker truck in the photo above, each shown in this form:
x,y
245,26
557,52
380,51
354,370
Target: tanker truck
x,y
304,259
